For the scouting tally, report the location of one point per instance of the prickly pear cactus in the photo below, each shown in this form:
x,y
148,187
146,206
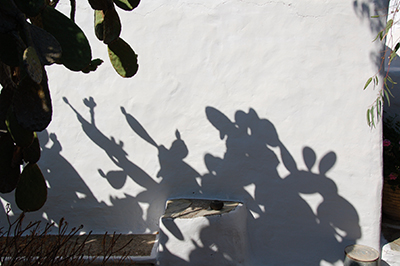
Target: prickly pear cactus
x,y
34,34
31,191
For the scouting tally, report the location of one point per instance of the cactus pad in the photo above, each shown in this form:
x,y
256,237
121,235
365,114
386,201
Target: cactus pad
x,y
31,104
123,58
101,4
127,5
31,8
47,47
31,154
98,24
22,137
111,26
32,64
9,53
9,174
76,51
31,191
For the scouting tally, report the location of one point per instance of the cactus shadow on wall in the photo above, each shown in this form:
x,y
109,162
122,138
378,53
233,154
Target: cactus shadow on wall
x,y
67,192
117,179
70,197
282,227
280,219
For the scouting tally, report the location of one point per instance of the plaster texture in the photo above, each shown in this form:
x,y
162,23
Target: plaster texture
x,y
245,100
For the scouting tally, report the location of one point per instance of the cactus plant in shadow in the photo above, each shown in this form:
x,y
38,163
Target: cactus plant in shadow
x,y
34,34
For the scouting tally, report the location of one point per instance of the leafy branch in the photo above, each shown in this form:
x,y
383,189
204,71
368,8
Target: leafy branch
x,y
375,111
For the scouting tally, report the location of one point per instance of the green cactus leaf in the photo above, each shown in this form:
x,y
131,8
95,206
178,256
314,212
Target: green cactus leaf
x,y
31,154
31,104
76,51
98,24
31,8
123,58
127,5
22,137
9,174
32,64
111,26
9,53
47,47
31,191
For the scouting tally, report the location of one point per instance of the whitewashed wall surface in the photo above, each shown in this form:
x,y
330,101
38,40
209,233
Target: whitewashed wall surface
x,y
256,101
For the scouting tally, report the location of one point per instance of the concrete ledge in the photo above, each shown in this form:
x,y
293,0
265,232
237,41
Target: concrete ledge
x,y
192,208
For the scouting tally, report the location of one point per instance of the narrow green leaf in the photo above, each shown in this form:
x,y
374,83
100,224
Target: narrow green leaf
x,y
378,107
378,36
376,16
391,80
392,56
388,25
387,97
367,83
390,92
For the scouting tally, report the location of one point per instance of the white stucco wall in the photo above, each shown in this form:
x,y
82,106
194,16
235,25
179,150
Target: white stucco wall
x,y
249,85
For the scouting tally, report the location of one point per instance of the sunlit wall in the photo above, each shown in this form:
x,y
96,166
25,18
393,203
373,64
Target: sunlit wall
x,y
256,101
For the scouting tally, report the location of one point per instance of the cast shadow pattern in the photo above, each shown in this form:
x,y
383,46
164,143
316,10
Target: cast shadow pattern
x,y
283,227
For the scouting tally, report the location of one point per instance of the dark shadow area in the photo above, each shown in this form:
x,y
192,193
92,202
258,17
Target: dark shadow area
x,y
68,194
283,229
70,197
128,205
66,187
173,173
